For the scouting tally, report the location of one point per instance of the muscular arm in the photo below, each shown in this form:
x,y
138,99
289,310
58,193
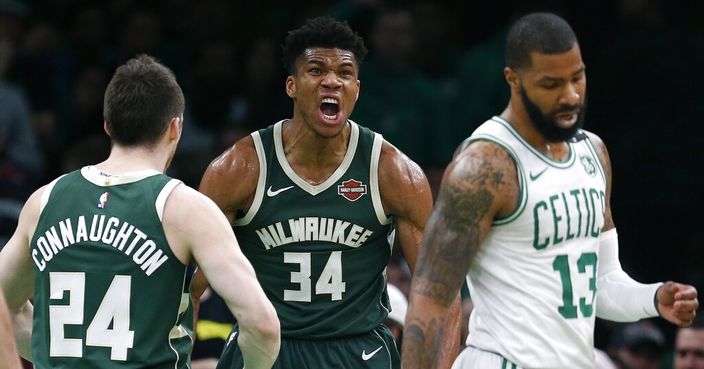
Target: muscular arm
x,y
411,207
620,298
478,185
17,274
230,181
195,225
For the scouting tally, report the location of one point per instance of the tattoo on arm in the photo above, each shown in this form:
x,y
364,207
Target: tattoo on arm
x,y
605,160
458,225
472,192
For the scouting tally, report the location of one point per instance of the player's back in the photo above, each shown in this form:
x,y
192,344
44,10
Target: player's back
x,y
108,289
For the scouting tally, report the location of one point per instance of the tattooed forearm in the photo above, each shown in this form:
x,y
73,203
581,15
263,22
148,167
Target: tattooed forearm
x,y
416,356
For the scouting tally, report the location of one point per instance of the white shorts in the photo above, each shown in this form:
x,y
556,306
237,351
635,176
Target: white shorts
x,y
474,358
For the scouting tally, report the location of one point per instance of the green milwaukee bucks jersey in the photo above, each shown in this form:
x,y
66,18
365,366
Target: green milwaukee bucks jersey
x,y
109,292
320,251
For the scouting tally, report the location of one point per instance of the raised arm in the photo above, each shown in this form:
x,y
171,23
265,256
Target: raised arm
x,y
17,274
479,184
195,225
619,297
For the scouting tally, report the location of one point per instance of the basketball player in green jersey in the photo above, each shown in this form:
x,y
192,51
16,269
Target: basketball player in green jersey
x,y
8,348
315,200
103,250
523,214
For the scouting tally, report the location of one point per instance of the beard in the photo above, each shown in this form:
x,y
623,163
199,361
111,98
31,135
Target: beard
x,y
546,124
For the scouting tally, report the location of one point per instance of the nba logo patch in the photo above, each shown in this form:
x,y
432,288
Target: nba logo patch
x,y
103,200
352,190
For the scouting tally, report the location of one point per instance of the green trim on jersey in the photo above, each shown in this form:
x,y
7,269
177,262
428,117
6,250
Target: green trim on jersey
x,y
523,192
555,163
599,165
109,292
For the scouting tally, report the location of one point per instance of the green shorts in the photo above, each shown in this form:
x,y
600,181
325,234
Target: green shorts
x,y
373,350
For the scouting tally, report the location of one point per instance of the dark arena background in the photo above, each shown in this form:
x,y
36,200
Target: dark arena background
x,y
433,74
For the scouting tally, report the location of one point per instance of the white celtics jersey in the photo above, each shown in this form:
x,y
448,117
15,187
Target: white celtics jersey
x,y
533,282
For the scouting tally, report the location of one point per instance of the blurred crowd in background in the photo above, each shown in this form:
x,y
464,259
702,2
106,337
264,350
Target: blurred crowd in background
x,y
433,74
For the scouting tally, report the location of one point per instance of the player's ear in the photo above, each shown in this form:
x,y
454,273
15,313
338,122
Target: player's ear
x,y
290,87
175,127
511,77
359,85
106,128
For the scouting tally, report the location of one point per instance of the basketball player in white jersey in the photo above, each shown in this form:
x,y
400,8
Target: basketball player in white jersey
x,y
524,214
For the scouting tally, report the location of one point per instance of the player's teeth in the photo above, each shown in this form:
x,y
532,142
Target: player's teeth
x,y
329,100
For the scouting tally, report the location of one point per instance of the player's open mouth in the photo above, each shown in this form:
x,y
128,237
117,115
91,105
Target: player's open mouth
x,y
330,110
567,118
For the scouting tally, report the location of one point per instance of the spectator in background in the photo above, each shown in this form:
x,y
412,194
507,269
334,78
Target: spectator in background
x,y
21,161
689,346
638,345
391,81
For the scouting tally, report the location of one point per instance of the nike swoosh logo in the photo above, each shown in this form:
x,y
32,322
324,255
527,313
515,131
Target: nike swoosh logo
x,y
271,193
533,177
368,356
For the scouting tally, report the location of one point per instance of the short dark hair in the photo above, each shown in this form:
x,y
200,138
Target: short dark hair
x,y
545,33
140,101
321,32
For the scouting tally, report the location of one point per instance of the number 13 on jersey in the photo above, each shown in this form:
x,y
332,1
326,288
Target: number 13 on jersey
x,y
586,261
330,280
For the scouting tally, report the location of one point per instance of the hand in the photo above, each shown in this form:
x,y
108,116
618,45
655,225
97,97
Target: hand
x,y
677,303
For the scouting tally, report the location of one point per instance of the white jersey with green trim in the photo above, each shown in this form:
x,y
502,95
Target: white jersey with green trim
x,y
533,282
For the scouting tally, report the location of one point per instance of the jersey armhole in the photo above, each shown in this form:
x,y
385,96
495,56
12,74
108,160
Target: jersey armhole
x,y
261,182
47,192
374,180
599,164
163,195
523,192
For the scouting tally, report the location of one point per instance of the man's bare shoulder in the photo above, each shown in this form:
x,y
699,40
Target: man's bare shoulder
x,y
188,216
484,167
397,168
598,144
237,160
402,182
601,151
231,179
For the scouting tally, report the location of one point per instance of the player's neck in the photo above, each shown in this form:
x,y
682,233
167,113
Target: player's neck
x,y
520,120
313,157
302,144
132,159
